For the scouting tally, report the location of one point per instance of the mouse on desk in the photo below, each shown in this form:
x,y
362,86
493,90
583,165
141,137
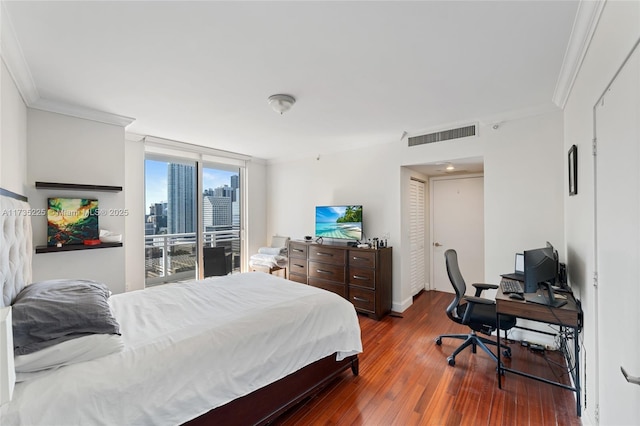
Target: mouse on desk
x,y
517,296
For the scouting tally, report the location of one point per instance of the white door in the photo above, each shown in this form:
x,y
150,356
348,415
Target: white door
x,y
617,164
417,235
457,211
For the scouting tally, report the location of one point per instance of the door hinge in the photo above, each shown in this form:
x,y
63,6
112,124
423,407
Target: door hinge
x,y
595,145
595,279
596,413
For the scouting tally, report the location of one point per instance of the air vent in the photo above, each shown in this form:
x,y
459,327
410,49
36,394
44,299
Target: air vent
x,y
444,135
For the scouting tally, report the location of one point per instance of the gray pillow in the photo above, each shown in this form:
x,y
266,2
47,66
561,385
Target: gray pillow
x,y
50,312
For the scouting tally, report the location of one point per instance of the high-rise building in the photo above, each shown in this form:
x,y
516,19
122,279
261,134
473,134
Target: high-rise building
x,y
235,185
181,186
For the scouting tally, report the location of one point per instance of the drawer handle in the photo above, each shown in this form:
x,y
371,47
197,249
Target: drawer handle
x,y
298,250
360,299
298,265
359,258
324,254
321,271
360,277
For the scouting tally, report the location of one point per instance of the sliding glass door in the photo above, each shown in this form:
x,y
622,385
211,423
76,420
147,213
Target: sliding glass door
x,y
220,219
192,222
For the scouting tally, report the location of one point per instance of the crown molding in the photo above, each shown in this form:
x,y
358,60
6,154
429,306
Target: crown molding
x,y
16,64
81,112
14,60
584,26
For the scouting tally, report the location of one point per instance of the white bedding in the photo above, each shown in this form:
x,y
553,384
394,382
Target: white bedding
x,y
190,348
268,260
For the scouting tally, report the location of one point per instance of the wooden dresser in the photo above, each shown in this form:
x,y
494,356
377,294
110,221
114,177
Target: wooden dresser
x,y
363,276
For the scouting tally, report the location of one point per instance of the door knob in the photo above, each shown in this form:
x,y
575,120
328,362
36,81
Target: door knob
x,y
630,379
437,244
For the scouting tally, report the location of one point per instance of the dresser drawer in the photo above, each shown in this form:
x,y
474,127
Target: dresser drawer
x,y
297,266
363,259
362,277
298,250
326,271
362,299
339,289
327,255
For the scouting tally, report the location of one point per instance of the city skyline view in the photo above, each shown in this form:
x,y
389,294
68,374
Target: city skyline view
x,y
156,178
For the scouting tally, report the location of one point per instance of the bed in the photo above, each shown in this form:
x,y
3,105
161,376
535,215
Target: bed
x,y
239,349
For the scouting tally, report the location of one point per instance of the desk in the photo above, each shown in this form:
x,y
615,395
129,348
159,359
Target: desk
x,y
568,316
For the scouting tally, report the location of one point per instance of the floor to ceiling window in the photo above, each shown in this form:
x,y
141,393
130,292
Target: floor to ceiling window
x,y
193,208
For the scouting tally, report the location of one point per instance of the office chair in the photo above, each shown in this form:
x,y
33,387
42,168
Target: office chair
x,y
477,313
216,262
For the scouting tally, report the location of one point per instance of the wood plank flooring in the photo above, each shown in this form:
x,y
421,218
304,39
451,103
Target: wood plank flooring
x,y
405,380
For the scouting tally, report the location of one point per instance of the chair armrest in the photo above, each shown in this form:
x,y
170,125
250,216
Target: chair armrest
x,y
480,287
471,302
479,300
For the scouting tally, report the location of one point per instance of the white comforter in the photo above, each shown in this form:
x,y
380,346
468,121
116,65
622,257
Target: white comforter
x,y
189,348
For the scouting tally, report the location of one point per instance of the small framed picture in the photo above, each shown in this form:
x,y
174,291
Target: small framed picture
x,y
573,170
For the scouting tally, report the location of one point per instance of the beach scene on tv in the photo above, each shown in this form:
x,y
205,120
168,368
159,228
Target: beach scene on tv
x,y
344,222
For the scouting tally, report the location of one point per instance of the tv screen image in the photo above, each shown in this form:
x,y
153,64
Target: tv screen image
x,y
71,220
340,222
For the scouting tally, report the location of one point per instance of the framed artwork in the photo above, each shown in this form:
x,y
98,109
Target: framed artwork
x,y
71,221
573,170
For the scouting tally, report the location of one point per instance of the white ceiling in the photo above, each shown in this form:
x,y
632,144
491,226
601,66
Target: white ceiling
x,y
362,72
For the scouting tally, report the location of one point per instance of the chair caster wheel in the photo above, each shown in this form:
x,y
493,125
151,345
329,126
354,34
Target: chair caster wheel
x,y
451,361
438,341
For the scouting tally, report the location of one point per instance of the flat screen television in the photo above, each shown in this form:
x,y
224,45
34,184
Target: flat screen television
x,y
339,222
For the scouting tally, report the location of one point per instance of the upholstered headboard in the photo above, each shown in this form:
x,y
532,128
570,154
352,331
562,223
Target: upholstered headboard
x,y
16,245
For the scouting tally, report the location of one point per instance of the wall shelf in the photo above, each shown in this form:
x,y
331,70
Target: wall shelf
x,y
77,187
73,247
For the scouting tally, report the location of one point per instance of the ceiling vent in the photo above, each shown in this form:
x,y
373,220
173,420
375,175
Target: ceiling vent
x,y
461,132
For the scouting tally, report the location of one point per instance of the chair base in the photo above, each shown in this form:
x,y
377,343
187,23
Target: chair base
x,y
473,340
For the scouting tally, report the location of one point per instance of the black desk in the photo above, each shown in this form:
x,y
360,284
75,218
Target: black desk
x,y
568,316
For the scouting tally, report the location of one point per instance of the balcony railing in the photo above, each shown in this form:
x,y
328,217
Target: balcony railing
x,y
172,257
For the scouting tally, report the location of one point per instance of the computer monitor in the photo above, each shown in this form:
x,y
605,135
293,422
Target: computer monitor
x,y
540,266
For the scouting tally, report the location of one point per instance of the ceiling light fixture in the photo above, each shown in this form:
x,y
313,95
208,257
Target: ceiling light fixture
x,y
281,103
450,167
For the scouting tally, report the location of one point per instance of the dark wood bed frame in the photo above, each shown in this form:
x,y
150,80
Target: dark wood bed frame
x,y
266,404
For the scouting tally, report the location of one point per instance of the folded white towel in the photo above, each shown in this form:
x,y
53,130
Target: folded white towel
x,y
274,251
268,260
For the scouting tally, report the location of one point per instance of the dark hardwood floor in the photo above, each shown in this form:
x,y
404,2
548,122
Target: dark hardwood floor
x,y
405,380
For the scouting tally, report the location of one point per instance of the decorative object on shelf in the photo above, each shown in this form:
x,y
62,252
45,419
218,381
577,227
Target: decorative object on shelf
x,y
91,242
281,103
110,237
573,170
71,221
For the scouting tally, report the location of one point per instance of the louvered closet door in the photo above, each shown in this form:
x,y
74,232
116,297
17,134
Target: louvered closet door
x,y
417,235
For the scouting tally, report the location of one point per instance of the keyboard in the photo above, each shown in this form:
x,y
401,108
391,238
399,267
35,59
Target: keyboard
x,y
511,286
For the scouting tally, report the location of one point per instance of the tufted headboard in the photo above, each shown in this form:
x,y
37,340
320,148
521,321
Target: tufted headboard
x,y
16,245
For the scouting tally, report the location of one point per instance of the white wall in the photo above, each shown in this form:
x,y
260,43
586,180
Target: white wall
x,y
618,29
524,186
134,223
65,149
370,177
13,136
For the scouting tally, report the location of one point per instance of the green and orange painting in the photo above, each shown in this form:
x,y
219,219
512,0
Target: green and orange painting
x,y
71,221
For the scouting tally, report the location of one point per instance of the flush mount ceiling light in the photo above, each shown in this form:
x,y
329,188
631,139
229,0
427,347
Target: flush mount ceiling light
x,y
281,103
450,167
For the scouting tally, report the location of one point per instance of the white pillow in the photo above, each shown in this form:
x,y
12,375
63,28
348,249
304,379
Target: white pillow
x,y
68,352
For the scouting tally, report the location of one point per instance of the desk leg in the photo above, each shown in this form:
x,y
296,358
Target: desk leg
x,y
499,351
576,352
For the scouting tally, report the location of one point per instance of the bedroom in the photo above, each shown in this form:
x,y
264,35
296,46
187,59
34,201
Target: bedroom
x,y
376,175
